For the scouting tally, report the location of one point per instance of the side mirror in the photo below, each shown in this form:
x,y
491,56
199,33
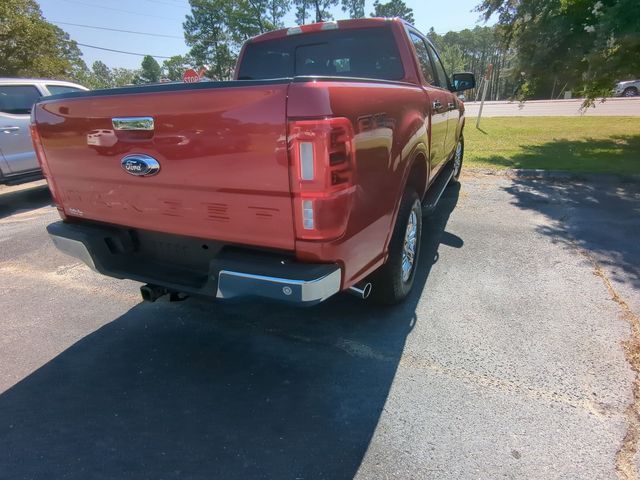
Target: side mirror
x,y
463,81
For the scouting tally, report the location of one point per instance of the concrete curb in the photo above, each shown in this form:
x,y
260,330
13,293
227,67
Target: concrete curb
x,y
556,175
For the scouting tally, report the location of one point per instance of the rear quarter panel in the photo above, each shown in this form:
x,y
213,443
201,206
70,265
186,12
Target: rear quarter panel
x,y
390,128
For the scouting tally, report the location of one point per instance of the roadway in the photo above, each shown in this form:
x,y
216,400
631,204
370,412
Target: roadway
x,y
550,108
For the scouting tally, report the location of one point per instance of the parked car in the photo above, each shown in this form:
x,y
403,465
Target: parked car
x,y
630,88
18,162
306,175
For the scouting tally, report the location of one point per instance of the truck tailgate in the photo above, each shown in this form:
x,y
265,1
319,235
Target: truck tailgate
x,y
222,152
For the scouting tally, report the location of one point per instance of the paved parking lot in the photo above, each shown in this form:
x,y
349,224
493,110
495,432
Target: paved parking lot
x,y
507,362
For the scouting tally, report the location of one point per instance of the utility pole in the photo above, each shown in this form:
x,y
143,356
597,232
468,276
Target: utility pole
x,y
485,83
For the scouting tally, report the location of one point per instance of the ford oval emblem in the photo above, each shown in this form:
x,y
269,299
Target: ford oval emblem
x,y
140,165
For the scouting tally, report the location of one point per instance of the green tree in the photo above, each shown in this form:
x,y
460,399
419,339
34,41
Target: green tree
x,y
101,75
393,8
123,76
579,45
276,11
31,46
355,8
207,32
473,51
215,29
150,71
314,10
302,7
173,68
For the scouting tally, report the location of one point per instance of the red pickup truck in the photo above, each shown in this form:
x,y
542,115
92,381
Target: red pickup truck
x,y
306,175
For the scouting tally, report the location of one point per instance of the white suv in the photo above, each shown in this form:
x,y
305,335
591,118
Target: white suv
x,y
18,163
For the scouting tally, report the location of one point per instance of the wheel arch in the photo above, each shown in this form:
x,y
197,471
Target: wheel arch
x,y
417,173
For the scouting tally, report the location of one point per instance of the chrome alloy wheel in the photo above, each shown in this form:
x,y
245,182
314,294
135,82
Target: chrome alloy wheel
x,y
409,249
457,159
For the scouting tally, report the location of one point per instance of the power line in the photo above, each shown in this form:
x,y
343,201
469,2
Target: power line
x,y
121,51
117,30
118,10
160,2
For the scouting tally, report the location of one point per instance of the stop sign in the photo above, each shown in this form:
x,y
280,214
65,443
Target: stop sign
x,y
190,76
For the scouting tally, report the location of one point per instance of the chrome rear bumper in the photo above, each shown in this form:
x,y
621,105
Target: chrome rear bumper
x,y
74,248
310,291
250,274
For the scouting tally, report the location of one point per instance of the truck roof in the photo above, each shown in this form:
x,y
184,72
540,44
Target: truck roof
x,y
332,25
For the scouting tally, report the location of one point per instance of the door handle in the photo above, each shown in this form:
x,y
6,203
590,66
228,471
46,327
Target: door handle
x,y
9,129
437,105
451,105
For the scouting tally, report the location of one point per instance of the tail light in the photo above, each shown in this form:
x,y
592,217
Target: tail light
x,y
42,160
322,176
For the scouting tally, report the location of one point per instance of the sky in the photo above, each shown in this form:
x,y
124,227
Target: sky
x,y
165,17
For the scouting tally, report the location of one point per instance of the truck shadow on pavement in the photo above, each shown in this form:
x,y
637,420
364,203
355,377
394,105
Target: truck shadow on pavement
x,y
25,198
600,216
201,390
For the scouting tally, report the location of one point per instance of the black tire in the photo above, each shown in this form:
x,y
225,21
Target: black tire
x,y
389,285
458,167
630,92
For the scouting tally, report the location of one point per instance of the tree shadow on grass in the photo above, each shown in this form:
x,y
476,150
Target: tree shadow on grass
x,y
202,390
602,217
618,154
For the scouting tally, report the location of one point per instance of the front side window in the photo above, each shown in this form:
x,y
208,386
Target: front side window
x,y
18,99
423,57
443,81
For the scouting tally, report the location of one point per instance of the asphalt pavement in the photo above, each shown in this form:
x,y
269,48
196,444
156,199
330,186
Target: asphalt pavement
x,y
507,361
621,107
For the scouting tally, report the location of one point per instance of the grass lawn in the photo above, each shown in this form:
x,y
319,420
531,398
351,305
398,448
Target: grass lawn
x,y
579,144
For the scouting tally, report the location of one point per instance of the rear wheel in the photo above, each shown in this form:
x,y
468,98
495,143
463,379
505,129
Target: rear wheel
x,y
393,281
630,92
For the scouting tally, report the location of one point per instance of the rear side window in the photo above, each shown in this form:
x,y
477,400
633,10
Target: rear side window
x,y
422,53
56,89
18,99
359,53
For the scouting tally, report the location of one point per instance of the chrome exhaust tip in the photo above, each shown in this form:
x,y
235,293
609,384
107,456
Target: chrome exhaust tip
x,y
151,293
361,291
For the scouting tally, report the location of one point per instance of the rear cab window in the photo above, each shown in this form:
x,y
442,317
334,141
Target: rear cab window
x,y
18,99
357,53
